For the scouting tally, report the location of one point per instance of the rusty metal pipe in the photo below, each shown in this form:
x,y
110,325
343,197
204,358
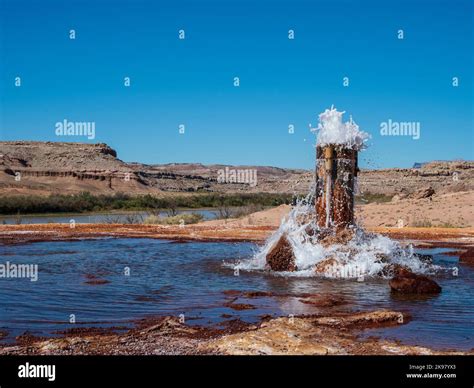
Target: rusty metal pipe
x,y
329,159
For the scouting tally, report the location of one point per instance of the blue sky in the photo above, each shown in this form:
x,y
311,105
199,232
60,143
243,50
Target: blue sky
x,y
282,81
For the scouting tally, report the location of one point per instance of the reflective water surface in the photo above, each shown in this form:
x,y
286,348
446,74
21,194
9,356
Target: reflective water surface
x,y
89,279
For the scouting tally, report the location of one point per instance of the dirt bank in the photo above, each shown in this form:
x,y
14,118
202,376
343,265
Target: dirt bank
x,y
52,232
233,230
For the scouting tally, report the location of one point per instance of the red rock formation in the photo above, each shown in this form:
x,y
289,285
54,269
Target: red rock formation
x,y
325,266
425,192
281,256
467,257
406,282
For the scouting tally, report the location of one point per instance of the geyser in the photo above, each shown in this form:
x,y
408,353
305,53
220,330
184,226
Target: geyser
x,y
320,237
337,150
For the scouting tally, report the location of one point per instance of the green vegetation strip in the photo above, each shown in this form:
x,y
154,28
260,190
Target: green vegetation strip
x,y
86,202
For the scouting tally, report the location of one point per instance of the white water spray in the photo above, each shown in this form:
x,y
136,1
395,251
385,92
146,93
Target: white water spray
x,y
364,255
331,130
360,254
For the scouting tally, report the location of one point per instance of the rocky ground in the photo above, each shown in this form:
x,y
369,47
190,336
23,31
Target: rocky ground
x,y
327,335
306,335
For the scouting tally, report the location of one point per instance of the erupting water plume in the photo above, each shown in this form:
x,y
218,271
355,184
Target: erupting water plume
x,y
319,237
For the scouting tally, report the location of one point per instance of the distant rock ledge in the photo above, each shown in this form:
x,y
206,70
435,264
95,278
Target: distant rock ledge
x,y
66,167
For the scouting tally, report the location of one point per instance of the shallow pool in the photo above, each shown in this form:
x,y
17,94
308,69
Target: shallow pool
x,y
114,282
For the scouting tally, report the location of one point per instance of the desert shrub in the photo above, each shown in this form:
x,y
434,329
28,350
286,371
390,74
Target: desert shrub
x,y
238,212
152,219
372,198
422,224
449,225
185,218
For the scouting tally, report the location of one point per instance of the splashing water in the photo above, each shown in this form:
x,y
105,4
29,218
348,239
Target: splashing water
x,y
322,252
333,131
362,255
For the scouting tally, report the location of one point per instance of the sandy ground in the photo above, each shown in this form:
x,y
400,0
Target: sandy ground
x,y
452,210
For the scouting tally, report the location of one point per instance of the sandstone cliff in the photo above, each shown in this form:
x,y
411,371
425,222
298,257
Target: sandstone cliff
x,y
52,167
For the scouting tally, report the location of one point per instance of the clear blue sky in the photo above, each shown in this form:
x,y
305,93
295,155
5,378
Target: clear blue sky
x,y
282,81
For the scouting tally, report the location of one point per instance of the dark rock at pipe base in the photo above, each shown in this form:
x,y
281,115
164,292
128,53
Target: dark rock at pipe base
x,y
281,256
467,257
326,266
406,282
